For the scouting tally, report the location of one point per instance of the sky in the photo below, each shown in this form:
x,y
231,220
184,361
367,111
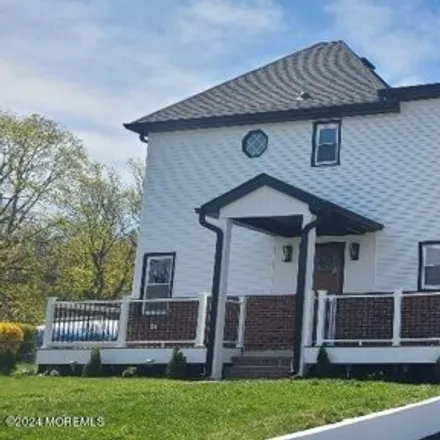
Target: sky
x,y
93,64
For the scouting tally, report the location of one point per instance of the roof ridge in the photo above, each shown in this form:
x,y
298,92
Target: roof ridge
x,y
235,78
363,64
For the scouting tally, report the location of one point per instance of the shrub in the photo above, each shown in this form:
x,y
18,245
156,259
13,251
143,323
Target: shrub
x,y
323,363
93,368
129,372
11,338
437,370
177,365
26,352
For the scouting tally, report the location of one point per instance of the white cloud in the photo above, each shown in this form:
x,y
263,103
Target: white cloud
x,y
83,64
400,37
218,23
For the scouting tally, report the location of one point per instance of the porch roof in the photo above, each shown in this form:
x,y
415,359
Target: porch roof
x,y
333,219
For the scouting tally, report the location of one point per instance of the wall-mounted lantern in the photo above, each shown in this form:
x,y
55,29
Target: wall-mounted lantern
x,y
287,253
354,251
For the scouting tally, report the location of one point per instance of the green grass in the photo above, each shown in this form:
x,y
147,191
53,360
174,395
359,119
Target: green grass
x,y
162,409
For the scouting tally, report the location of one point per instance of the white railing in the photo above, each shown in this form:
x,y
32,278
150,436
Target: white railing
x,y
328,314
133,322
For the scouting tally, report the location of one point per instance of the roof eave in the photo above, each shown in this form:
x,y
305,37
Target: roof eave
x,y
365,108
411,93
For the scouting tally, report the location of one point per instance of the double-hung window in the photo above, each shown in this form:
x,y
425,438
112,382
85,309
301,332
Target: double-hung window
x,y
326,143
157,279
429,269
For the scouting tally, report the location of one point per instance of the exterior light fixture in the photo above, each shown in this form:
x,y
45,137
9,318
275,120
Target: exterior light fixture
x,y
354,251
287,253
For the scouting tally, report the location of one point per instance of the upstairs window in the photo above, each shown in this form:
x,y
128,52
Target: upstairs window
x,y
429,269
326,143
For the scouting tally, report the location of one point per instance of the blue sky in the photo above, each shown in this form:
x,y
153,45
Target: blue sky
x,y
94,64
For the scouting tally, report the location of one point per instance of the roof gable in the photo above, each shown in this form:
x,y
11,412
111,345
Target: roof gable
x,y
324,75
317,205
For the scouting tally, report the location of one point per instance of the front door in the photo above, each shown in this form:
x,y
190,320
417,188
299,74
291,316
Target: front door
x,y
329,267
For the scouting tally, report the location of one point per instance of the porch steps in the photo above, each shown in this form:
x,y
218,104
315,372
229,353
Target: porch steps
x,y
258,367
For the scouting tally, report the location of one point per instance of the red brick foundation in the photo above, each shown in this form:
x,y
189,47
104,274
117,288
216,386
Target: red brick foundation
x,y
364,318
269,322
420,316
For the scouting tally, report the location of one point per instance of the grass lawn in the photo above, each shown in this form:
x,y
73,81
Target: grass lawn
x,y
161,409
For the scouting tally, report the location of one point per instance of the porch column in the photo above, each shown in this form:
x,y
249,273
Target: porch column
x,y
309,295
217,361
304,293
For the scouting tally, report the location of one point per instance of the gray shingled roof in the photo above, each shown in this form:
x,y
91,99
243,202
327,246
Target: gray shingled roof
x,y
331,73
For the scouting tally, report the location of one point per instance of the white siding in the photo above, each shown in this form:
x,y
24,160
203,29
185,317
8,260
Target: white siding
x,y
390,166
264,202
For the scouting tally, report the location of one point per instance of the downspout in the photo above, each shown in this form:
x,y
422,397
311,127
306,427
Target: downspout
x,y
215,291
300,294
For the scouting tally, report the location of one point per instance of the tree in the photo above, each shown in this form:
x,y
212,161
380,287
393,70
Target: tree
x,y
101,220
38,160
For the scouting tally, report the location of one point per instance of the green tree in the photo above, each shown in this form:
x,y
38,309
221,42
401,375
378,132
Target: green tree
x,y
38,159
101,213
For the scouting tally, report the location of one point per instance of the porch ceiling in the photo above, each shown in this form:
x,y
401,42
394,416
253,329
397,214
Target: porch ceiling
x,y
334,220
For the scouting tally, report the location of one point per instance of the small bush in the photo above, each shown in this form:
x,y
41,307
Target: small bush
x,y
324,365
437,370
93,368
177,365
11,338
26,352
129,372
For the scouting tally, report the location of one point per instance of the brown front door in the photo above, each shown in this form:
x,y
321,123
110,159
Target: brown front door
x,y
329,267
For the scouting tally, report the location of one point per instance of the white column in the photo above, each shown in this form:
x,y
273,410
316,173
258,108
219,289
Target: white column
x,y
320,323
123,321
241,322
309,294
397,317
201,319
48,323
217,367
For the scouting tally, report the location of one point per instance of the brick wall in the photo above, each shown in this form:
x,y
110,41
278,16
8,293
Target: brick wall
x,y
269,322
364,318
167,321
175,321
420,316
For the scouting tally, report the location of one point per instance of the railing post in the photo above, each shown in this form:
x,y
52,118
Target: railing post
x,y
320,323
48,323
397,317
241,322
123,321
201,319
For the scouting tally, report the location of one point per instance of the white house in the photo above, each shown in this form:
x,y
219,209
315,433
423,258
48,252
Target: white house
x,y
308,174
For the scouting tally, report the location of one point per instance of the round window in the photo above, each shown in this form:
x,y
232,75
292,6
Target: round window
x,y
254,144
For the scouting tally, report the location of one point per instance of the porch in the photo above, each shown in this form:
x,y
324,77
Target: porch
x,y
371,328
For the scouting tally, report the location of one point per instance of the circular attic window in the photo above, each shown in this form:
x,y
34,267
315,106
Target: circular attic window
x,y
254,144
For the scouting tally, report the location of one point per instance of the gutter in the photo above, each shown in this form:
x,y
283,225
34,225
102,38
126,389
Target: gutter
x,y
300,294
215,290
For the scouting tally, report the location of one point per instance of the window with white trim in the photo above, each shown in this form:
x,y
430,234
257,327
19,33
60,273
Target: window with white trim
x,y
430,266
158,278
326,143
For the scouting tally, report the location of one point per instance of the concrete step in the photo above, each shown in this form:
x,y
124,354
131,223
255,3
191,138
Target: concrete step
x,y
270,361
256,372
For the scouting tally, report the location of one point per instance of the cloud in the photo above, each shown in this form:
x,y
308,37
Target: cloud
x,y
401,38
93,65
218,22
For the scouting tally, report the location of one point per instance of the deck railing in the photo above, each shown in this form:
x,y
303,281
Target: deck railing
x,y
391,319
130,322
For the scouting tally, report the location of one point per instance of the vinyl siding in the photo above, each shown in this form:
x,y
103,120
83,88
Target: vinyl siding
x,y
389,172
